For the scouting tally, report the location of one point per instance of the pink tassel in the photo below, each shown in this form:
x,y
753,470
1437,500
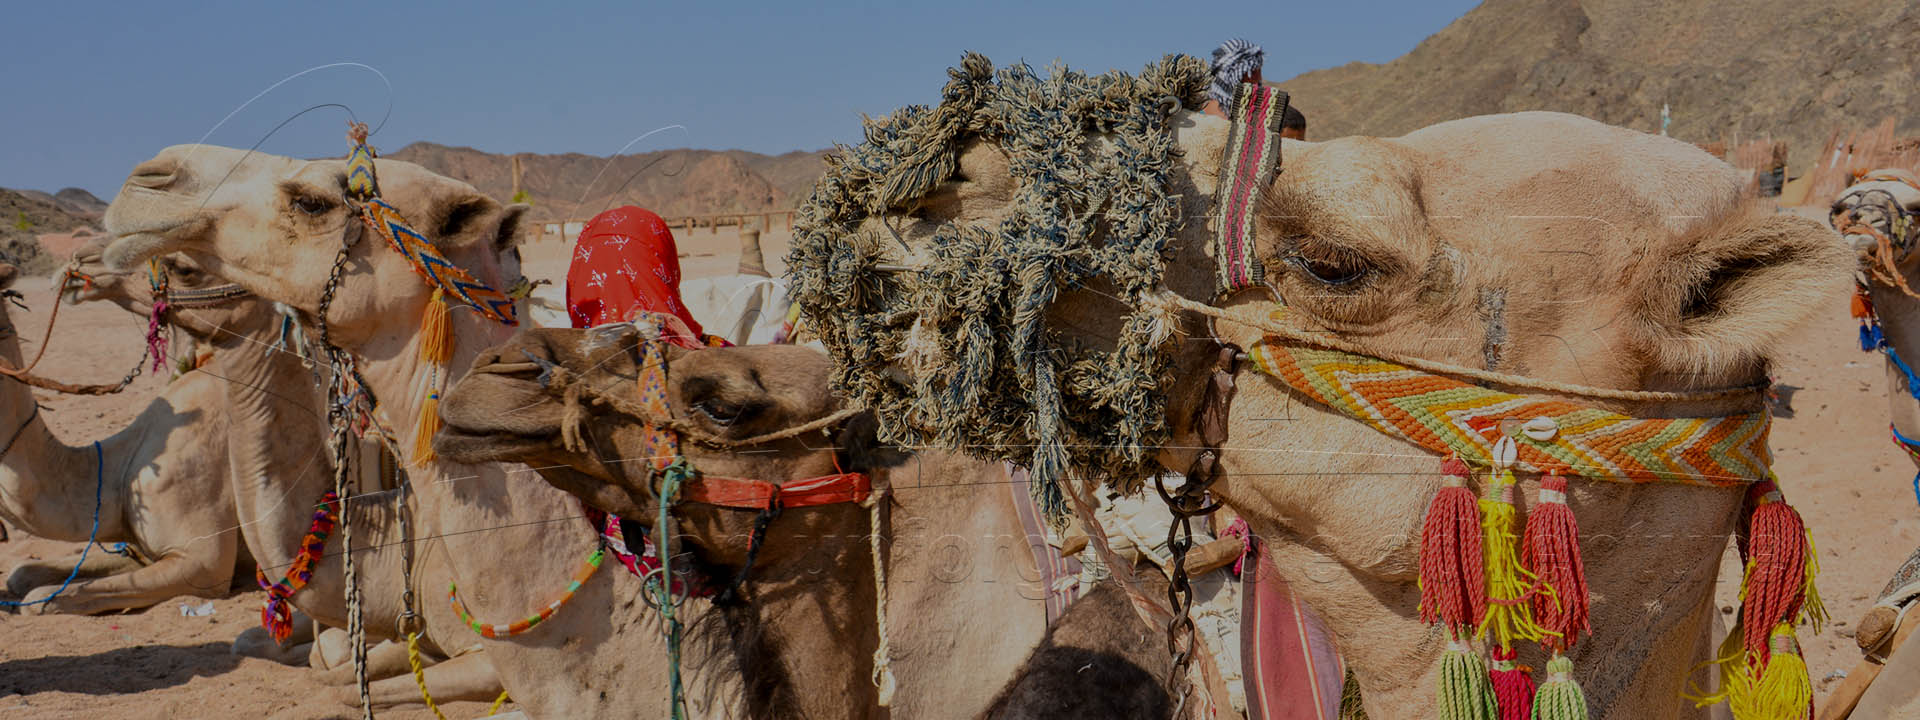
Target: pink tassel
x,y
156,340
1512,686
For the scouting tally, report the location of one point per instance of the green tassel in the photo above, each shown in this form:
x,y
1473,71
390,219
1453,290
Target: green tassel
x,y
1466,693
1560,698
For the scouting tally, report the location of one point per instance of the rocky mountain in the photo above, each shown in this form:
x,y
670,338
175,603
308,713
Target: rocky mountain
x,y
27,214
669,182
1730,70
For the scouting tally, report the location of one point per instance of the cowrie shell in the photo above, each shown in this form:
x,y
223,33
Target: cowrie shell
x,y
1541,429
1505,452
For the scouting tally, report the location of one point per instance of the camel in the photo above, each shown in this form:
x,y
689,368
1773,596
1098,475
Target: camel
x,y
1535,243
274,226
811,582
153,493
1883,205
265,392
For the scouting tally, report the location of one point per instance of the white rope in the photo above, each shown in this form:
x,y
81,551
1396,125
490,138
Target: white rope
x,y
882,655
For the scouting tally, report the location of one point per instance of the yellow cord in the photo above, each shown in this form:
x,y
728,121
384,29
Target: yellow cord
x,y
420,678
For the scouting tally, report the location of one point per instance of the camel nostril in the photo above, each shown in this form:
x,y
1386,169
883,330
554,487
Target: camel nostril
x,y
155,174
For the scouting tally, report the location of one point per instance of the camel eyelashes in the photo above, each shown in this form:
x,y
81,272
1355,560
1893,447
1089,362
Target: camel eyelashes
x,y
721,413
307,202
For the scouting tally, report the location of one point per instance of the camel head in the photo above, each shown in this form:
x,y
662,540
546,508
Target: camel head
x,y
1879,205
275,224
509,409
224,320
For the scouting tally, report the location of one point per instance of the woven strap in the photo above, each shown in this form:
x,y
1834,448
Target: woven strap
x,y
762,495
1247,166
363,186
1445,415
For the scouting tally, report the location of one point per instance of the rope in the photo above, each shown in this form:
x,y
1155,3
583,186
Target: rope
x,y
1883,261
1443,368
494,709
882,653
420,675
575,393
32,380
495,630
1913,453
671,478
93,535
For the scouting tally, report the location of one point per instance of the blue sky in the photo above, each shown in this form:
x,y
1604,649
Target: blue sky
x,y
93,88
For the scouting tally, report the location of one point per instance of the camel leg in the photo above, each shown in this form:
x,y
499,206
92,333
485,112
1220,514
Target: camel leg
x,y
385,660
170,576
33,574
467,677
297,650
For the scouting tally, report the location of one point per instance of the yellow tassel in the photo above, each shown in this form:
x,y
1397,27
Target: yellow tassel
x,y
1812,610
424,429
436,331
1730,657
1509,614
1782,692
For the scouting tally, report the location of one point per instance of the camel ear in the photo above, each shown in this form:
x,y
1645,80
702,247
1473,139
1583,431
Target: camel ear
x,y
511,227
1725,297
861,449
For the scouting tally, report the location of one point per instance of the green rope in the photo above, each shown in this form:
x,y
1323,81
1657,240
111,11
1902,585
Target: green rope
x,y
671,478
1093,158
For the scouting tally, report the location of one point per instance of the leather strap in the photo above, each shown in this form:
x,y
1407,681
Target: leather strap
x,y
748,494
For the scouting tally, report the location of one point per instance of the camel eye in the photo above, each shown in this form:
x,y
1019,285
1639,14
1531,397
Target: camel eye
x,y
721,413
311,205
1328,273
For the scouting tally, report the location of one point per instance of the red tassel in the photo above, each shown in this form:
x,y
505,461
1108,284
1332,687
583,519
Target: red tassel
x,y
1551,549
1776,574
1453,585
1512,685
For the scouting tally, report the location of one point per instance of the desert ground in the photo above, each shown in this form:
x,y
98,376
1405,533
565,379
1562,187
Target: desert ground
x,y
1833,456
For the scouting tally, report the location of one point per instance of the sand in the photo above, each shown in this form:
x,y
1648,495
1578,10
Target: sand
x,y
1833,455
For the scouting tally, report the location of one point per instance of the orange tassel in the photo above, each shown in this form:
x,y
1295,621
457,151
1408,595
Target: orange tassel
x,y
1552,552
424,430
436,331
1512,685
1778,584
1862,306
1453,582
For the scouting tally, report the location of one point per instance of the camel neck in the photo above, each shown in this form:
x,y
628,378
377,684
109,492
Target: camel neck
x,y
276,447
819,627
47,487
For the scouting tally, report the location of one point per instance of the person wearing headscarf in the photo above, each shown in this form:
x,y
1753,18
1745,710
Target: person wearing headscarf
x,y
1235,61
625,263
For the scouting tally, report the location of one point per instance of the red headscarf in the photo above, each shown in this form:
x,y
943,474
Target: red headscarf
x,y
626,262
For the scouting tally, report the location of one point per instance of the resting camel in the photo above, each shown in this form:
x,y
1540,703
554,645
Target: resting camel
x,y
265,393
805,631
154,493
1540,244
1883,205
274,226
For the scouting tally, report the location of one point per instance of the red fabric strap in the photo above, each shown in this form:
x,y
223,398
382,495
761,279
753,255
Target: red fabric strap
x,y
760,495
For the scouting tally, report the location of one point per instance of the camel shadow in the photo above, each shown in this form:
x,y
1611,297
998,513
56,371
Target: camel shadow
x,y
119,671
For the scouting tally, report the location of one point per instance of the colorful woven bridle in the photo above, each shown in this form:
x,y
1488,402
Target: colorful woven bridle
x,y
1477,577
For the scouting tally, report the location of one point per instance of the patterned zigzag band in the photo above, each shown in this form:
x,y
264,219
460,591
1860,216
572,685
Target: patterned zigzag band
x,y
1445,415
434,267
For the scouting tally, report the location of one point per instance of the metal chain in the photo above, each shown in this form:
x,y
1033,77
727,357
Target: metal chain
x,y
346,392
1189,501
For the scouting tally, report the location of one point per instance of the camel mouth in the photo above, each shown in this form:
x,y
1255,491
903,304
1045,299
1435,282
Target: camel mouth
x,y
489,444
